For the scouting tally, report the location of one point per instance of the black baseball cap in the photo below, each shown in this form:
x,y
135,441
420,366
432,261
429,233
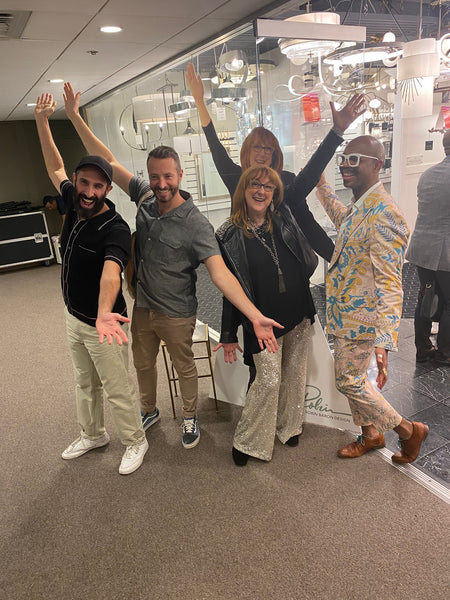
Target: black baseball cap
x,y
99,163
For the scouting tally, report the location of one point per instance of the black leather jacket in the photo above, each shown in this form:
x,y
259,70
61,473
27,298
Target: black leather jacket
x,y
231,242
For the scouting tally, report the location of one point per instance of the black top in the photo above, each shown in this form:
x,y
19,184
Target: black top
x,y
296,187
85,245
288,308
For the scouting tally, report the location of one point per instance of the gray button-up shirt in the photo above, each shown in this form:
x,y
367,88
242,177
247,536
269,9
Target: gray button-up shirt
x,y
168,249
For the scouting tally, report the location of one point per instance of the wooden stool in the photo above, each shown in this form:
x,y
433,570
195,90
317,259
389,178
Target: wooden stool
x,y
200,336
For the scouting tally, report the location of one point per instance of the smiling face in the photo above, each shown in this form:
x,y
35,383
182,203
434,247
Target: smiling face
x,y
91,189
260,155
258,196
359,179
261,149
165,179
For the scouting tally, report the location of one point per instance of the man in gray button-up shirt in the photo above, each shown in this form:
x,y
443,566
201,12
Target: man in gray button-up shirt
x,y
429,250
172,239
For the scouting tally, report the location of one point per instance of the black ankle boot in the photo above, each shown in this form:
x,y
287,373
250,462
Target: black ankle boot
x,y
293,441
240,459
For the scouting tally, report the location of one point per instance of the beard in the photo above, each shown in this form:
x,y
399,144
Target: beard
x,y
85,212
165,194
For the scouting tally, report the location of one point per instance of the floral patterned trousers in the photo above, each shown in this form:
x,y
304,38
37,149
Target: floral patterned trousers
x,y
368,406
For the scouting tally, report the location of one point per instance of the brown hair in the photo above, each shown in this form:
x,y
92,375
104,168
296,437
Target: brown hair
x,y
239,216
162,152
262,137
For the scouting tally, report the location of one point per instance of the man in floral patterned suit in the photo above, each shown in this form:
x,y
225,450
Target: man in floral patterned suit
x,y
364,297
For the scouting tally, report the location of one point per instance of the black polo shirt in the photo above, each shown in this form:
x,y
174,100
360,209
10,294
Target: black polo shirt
x,y
85,245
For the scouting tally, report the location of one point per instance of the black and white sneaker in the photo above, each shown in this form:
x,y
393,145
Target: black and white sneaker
x,y
149,419
191,432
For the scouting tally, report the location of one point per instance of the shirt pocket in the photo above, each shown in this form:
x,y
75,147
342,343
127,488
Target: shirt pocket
x,y
171,250
86,251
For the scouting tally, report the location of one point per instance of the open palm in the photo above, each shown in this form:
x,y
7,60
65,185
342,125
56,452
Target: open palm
x,y
45,106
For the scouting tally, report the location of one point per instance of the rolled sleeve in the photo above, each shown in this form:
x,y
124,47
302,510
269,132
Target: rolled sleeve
x,y
118,246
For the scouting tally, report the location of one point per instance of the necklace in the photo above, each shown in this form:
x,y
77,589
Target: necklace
x,y
258,231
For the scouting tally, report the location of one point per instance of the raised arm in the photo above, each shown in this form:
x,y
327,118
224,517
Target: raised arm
x,y
227,283
332,206
195,84
228,170
45,107
93,145
308,177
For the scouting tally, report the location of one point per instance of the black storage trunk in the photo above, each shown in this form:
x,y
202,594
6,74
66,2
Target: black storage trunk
x,y
24,239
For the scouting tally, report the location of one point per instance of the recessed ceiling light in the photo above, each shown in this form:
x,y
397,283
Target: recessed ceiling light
x,y
110,29
56,80
31,104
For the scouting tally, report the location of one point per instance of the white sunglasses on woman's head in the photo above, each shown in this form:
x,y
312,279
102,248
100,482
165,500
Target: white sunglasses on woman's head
x,y
352,159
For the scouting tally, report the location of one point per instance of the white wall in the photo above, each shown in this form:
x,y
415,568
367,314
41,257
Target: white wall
x,y
409,157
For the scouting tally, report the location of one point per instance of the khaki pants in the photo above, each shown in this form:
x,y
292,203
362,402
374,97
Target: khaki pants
x,y
368,406
102,370
275,403
149,328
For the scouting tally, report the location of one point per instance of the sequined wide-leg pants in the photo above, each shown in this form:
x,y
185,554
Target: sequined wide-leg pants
x,y
275,403
368,406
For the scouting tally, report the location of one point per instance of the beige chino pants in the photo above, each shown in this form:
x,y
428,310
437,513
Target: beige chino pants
x,y
101,370
149,328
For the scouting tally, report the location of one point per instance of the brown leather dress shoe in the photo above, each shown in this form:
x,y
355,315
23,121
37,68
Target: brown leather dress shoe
x,y
410,448
361,446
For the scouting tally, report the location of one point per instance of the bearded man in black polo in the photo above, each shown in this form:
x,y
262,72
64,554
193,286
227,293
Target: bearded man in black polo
x,y
95,248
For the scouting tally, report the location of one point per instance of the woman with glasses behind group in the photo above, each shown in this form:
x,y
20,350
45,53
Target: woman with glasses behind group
x,y
263,246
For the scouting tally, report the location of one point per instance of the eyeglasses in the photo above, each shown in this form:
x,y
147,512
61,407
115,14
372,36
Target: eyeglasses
x,y
264,150
352,159
255,185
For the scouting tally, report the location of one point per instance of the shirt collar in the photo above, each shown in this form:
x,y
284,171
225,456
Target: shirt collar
x,y
358,203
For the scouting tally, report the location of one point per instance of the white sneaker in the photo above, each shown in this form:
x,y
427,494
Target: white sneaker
x,y
133,457
82,445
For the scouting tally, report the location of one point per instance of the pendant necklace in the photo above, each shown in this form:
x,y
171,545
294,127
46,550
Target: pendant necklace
x,y
258,231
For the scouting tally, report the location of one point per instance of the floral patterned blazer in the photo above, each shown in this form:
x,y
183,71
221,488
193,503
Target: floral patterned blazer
x,y
364,279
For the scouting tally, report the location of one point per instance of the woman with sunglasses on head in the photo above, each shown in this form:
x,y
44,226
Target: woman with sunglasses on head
x,y
261,148
263,246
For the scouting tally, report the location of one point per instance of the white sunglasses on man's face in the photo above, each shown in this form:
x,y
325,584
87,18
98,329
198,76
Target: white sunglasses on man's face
x,y
352,159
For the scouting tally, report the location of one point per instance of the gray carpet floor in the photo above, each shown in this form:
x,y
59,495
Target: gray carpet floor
x,y
189,524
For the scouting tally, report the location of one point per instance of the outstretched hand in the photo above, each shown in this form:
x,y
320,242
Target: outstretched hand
x,y
45,106
263,328
351,111
195,83
108,325
229,351
71,100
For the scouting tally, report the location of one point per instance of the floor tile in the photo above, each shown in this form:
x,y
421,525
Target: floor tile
x,y
404,371
437,463
435,384
406,400
437,417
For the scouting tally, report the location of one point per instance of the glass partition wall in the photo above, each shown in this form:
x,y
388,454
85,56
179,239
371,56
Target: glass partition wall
x,y
248,82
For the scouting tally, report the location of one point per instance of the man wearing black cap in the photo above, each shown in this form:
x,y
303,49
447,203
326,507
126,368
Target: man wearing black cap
x,y
95,246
